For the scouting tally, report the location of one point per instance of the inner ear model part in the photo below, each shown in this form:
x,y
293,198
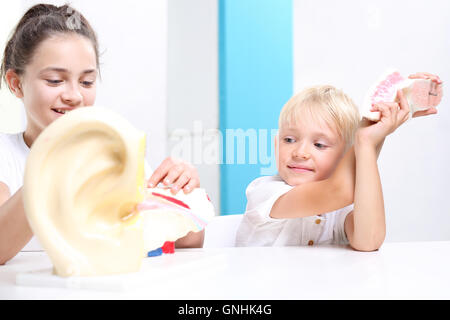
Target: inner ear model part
x,y
421,94
169,217
84,192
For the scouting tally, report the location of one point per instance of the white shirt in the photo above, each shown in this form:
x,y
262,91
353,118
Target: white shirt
x,y
13,156
259,229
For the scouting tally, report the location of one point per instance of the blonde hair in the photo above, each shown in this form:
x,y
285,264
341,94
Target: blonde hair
x,y
326,103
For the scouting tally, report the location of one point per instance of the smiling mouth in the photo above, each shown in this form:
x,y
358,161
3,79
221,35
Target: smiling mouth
x,y
60,111
300,169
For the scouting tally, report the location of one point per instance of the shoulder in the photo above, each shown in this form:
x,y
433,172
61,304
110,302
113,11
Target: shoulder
x,y
9,140
264,187
267,183
5,139
13,146
6,158
6,144
261,195
12,159
264,191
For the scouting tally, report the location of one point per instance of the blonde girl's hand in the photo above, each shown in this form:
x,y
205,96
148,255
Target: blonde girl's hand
x,y
392,115
175,174
436,98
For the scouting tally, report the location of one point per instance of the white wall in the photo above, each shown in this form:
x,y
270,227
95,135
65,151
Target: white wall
x,y
349,43
193,87
133,46
12,116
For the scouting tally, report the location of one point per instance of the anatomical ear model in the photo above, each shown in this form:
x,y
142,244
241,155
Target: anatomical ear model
x,y
166,216
421,94
86,201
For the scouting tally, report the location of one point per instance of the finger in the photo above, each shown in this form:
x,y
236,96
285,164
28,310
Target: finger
x,y
420,75
426,75
403,105
385,108
394,108
388,112
180,183
424,112
386,104
380,107
435,78
436,98
193,183
174,173
159,174
376,106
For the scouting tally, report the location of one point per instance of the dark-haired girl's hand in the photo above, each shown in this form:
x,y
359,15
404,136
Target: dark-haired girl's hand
x,y
176,174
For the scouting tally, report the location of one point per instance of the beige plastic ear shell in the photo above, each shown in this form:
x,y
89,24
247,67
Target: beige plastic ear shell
x,y
83,178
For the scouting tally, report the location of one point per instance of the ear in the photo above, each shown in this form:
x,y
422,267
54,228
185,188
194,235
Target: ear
x,y
105,220
14,84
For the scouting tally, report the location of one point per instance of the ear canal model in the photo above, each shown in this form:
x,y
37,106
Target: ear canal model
x,y
421,94
84,177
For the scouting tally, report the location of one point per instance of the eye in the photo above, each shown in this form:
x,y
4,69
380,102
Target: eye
x,y
289,140
87,84
51,81
319,145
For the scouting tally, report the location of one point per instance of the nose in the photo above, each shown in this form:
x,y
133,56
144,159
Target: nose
x,y
72,95
302,152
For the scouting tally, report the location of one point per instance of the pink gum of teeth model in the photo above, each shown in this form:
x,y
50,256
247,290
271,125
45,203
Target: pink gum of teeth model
x,y
421,94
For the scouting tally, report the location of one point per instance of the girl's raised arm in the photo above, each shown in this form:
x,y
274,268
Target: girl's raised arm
x,y
319,197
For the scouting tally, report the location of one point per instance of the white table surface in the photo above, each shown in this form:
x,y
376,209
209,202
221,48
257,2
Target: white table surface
x,y
412,270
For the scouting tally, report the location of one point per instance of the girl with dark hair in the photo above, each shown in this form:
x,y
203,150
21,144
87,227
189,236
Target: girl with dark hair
x,y
51,63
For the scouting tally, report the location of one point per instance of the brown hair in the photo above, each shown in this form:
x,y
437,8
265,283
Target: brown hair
x,y
38,24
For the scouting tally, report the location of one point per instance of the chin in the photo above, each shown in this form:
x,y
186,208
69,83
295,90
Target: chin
x,y
296,181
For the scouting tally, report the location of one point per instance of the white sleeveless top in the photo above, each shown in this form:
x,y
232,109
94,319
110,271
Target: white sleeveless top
x,y
257,228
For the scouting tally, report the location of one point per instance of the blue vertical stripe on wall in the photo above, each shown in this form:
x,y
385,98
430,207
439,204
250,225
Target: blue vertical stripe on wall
x,y
255,81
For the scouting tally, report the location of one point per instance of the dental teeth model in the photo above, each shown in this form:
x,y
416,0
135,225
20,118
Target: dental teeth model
x,y
86,201
421,94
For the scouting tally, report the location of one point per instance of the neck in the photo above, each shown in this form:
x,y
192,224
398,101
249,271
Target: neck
x,y
30,135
